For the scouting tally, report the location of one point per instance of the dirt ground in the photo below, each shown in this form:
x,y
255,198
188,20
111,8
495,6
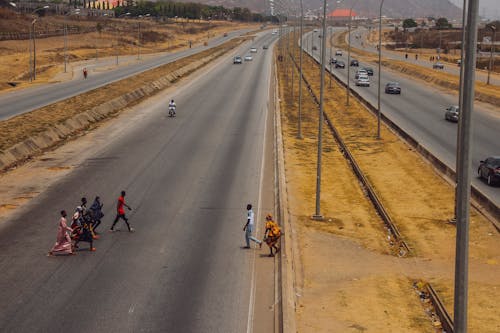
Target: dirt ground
x,y
116,36
350,280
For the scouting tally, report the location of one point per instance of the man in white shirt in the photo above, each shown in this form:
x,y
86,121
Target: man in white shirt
x,y
248,228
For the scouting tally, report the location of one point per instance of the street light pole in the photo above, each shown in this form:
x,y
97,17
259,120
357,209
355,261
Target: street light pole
x,y
348,91
490,68
34,39
299,133
379,66
464,171
317,215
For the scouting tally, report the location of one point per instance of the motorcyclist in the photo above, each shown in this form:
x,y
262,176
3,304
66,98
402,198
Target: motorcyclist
x,y
172,106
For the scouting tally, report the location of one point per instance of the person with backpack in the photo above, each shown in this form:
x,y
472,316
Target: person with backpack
x,y
272,235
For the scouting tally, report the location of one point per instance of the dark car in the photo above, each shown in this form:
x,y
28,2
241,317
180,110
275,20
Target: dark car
x,y
265,47
438,65
333,61
369,70
489,169
392,88
451,113
340,64
237,60
354,63
314,48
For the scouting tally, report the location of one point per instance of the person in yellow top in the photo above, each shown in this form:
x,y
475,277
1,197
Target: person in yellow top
x,y
272,235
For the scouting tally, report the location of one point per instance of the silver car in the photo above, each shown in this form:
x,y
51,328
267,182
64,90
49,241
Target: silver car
x,y
451,113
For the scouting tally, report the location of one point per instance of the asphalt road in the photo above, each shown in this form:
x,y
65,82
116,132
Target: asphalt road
x,y
25,100
188,180
419,110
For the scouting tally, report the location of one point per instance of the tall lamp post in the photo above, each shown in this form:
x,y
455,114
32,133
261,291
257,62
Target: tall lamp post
x,y
33,35
139,36
317,215
492,50
348,92
379,66
299,133
77,11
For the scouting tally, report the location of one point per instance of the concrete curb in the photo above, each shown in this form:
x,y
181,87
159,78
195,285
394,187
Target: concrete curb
x,y
39,143
287,259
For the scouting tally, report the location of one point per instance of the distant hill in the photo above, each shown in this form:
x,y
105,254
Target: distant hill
x,y
369,8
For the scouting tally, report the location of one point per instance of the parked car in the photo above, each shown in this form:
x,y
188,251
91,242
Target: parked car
x,y
438,65
237,60
248,57
392,88
354,63
489,169
451,113
362,81
340,64
333,61
338,53
253,50
369,70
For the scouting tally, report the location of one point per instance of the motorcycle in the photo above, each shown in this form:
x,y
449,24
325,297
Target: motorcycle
x,y
171,111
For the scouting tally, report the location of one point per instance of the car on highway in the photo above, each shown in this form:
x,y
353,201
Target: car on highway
x,y
265,47
459,62
314,48
438,65
248,57
237,60
354,63
333,61
362,81
253,50
451,113
393,88
338,53
315,30
340,64
369,70
275,32
489,169
360,72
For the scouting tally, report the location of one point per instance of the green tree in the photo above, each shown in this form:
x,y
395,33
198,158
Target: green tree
x,y
409,23
442,23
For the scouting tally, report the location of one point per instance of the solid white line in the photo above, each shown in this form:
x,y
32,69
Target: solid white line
x,y
259,202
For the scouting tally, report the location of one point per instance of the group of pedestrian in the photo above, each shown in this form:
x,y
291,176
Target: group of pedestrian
x,y
433,58
272,232
84,224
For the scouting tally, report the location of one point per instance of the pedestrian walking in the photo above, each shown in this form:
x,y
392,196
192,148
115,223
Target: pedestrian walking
x,y
96,211
248,228
272,235
63,241
120,212
85,73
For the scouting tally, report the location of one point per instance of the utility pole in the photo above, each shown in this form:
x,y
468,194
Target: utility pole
x,y
299,132
492,50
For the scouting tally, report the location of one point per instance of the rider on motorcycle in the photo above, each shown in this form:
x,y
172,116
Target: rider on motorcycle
x,y
172,106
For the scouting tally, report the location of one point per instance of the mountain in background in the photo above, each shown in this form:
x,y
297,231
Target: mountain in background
x,y
367,8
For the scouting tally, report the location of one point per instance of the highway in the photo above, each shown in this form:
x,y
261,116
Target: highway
x,y
25,100
419,110
188,180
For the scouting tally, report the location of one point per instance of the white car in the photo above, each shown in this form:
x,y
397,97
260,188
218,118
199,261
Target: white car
x,y
361,72
253,50
248,58
363,81
338,53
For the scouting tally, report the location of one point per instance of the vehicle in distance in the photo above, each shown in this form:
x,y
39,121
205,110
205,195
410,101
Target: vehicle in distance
x,y
275,32
248,57
438,65
340,64
360,72
315,30
354,63
237,60
265,47
392,88
333,61
338,53
368,70
253,50
363,81
489,169
314,48
451,113
225,34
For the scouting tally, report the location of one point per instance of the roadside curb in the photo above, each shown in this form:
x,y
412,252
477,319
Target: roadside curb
x,y
287,258
32,146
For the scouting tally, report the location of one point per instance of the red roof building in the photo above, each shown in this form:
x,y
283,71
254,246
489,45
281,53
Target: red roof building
x,y
342,14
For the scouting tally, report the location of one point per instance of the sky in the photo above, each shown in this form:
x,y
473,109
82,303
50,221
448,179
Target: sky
x,y
489,9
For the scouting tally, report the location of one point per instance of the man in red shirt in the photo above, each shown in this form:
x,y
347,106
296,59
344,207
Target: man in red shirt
x,y
120,212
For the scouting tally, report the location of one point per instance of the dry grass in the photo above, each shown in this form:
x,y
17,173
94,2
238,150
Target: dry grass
x,y
361,286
